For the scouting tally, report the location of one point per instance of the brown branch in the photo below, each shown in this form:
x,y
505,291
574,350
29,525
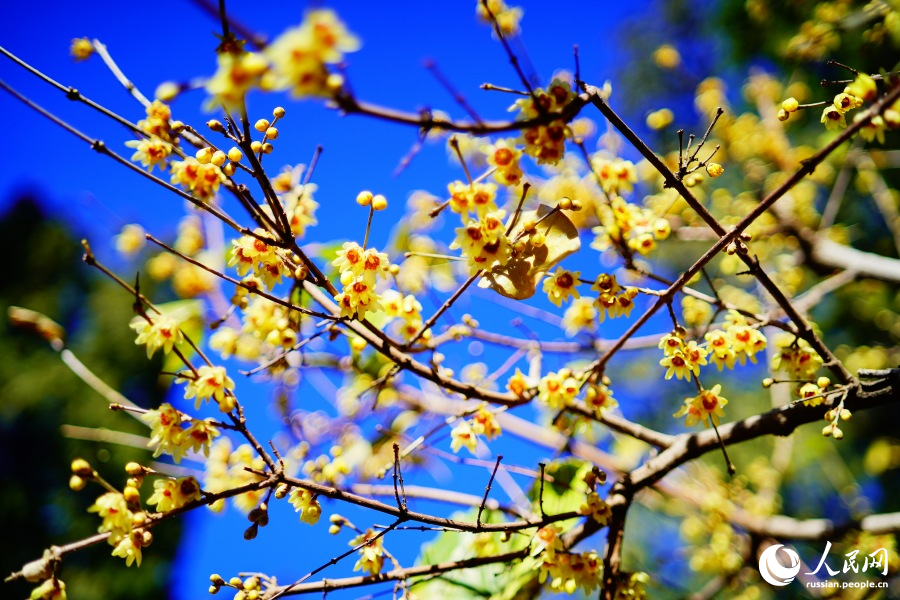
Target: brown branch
x,y
399,574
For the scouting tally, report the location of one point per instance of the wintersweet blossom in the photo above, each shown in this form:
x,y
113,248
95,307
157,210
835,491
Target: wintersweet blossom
x,y
706,405
305,503
169,494
159,332
561,285
211,383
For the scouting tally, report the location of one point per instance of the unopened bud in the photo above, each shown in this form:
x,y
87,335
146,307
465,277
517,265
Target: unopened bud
x,y
272,133
267,148
261,125
235,154
216,126
82,468
565,204
218,158
76,483
278,112
379,202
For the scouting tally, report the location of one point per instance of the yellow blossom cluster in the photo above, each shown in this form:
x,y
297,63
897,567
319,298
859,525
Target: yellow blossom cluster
x,y
297,61
596,508
483,242
504,156
297,199
615,174
622,223
739,341
681,360
171,493
546,143
465,433
407,310
506,17
202,180
566,571
580,316
329,470
120,518
558,389
360,270
251,253
796,357
225,469
168,432
612,300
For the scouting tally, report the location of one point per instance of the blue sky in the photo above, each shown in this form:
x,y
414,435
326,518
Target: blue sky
x,y
174,41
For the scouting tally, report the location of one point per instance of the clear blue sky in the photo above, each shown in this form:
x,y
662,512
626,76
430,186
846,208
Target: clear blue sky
x,y
174,40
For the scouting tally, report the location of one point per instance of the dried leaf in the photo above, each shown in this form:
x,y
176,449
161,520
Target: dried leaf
x,y
518,279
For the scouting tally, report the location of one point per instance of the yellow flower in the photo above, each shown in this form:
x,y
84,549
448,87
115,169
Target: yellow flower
x,y
596,508
557,390
113,509
518,384
169,494
580,316
211,383
81,49
678,365
150,152
358,298
129,548
51,589
236,75
671,343
484,422
371,559
305,503
863,87
561,285
163,332
599,398
199,436
130,240
463,436
833,118
706,405
723,354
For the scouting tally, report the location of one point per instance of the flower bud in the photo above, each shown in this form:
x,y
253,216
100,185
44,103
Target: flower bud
x,y
767,382
790,105
783,115
272,133
364,198
565,204
278,112
823,382
216,126
76,483
82,468
261,125
134,469
235,154
218,158
204,155
379,202
255,146
267,148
